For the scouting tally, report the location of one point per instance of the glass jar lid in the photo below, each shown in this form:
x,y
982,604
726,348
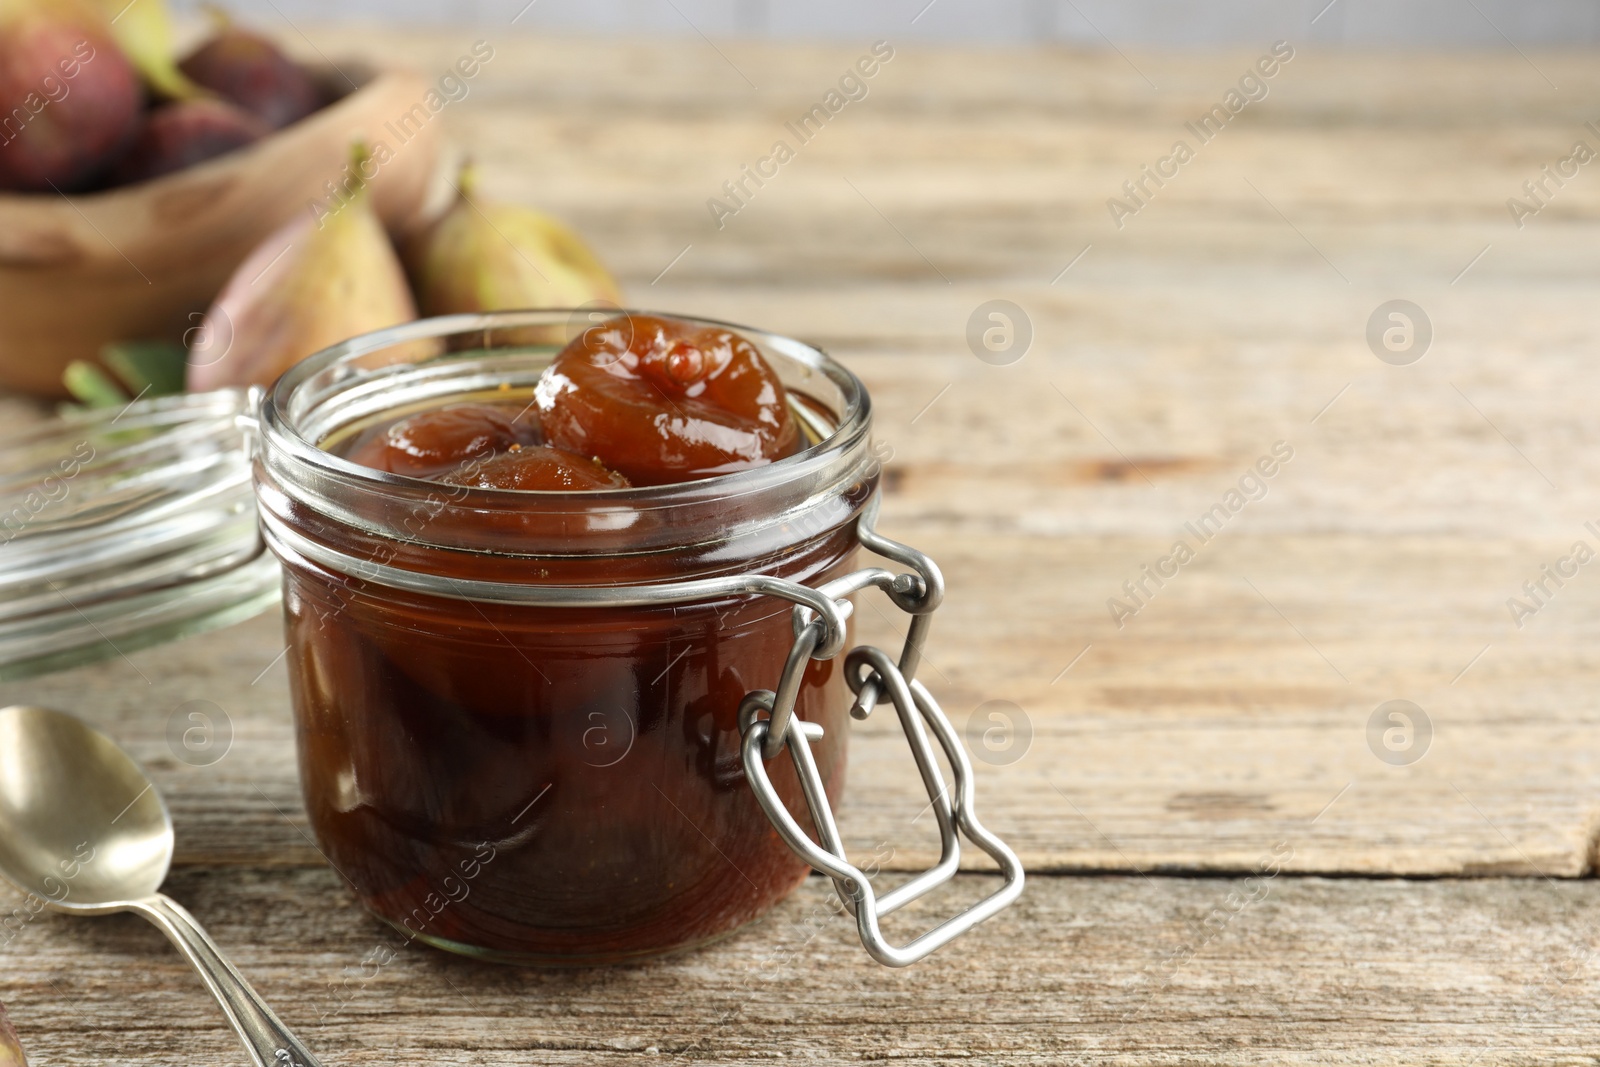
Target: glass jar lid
x,y
121,529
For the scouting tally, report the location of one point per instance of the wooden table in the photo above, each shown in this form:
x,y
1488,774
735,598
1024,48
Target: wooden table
x,y
1432,908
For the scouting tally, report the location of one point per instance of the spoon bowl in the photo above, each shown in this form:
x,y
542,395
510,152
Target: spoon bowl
x,y
67,789
83,829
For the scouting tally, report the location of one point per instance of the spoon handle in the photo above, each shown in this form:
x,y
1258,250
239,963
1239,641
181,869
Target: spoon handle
x,y
264,1034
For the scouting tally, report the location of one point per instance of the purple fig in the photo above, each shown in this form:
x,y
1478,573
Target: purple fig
x,y
184,133
249,70
73,99
313,283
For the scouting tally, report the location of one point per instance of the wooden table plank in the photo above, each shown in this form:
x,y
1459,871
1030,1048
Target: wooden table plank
x,y
1099,970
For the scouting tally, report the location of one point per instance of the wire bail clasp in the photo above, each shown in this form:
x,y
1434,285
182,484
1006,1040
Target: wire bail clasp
x,y
871,675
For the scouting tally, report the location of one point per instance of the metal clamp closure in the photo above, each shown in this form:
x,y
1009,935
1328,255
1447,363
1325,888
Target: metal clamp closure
x,y
871,675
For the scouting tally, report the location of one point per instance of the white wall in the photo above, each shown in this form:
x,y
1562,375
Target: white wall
x,y
1400,23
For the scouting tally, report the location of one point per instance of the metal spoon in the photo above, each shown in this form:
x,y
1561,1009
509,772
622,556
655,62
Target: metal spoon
x,y
82,828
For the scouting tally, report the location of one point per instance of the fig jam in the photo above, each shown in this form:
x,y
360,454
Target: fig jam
x,y
540,784
663,400
549,784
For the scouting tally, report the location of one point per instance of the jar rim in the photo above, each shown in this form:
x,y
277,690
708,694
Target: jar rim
x,y
721,521
279,428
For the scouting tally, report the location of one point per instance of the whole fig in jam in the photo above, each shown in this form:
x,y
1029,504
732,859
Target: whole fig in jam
x,y
445,439
539,468
662,400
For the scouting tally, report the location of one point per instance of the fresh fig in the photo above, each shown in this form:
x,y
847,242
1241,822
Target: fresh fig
x,y
487,256
183,133
314,282
249,70
10,1048
144,30
73,98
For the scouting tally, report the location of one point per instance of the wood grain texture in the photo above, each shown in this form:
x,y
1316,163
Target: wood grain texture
x,y
1081,971
1223,723
1167,746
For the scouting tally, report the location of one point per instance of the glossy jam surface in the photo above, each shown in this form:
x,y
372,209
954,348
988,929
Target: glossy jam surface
x,y
666,401
437,442
537,468
541,785
652,400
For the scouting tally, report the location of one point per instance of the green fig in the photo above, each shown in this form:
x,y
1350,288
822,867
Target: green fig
x,y
10,1048
315,282
487,256
143,29
69,101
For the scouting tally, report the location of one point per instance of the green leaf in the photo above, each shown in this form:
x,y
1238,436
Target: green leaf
x,y
148,368
91,385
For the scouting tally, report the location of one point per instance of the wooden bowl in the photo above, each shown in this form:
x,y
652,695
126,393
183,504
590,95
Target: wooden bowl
x,y
144,261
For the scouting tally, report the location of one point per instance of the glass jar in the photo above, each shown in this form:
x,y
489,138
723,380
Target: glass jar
x,y
125,528
532,726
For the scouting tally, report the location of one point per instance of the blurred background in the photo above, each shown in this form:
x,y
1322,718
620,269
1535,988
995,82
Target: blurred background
x,y
1380,23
